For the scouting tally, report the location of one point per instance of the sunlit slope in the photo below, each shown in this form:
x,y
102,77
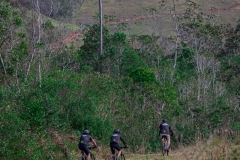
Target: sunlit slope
x,y
131,8
138,14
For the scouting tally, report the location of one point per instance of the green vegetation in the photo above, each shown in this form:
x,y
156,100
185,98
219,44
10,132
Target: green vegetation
x,y
50,93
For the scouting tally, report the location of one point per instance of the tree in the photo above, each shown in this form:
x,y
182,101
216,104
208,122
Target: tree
x,y
12,46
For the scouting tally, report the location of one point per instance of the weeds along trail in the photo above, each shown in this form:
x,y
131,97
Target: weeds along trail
x,y
212,149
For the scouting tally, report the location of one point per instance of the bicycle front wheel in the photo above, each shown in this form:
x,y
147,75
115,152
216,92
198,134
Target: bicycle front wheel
x,y
92,156
82,158
122,157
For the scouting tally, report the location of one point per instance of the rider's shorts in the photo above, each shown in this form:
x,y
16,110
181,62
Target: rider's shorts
x,y
113,146
166,135
84,148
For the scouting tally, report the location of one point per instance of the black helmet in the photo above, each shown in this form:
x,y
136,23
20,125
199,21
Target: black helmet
x,y
164,121
116,131
86,132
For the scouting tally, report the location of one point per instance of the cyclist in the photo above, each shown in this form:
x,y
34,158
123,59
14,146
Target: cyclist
x,y
83,143
114,142
164,130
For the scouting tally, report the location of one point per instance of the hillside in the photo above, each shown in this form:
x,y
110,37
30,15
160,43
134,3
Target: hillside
x,y
130,11
160,63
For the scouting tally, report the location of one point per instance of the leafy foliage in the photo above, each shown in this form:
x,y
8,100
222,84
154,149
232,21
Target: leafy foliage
x,y
129,87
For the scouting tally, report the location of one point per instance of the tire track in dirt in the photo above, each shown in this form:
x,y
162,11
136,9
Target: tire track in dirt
x,y
67,38
220,10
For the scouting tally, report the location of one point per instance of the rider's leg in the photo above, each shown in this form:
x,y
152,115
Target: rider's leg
x,y
162,139
113,152
88,156
168,137
119,153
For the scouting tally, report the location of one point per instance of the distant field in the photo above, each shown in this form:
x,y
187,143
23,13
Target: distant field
x,y
129,9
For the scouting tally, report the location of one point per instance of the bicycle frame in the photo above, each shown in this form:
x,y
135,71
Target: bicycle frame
x,y
122,156
84,156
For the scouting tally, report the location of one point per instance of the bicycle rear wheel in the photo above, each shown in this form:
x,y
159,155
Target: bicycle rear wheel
x,y
164,146
163,151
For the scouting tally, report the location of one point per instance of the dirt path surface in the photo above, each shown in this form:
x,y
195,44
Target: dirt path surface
x,y
215,148
223,9
209,150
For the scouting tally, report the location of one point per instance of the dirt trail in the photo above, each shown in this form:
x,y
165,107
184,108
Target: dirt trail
x,y
72,36
201,151
220,10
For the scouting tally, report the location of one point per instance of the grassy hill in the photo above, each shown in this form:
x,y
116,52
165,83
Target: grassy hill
x,y
130,9
137,17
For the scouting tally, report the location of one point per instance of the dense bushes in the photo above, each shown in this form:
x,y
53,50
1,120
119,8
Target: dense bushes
x,y
68,101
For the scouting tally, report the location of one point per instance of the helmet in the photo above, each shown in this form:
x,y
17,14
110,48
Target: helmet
x,y
116,131
164,121
86,132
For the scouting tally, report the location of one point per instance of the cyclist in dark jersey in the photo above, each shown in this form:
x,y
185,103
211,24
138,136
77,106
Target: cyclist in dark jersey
x,y
83,143
115,138
164,130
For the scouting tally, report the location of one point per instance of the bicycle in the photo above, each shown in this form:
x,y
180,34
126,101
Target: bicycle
x,y
165,148
122,156
84,157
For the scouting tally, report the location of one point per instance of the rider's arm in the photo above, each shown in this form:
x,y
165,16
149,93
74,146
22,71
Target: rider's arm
x,y
170,129
123,141
159,129
94,142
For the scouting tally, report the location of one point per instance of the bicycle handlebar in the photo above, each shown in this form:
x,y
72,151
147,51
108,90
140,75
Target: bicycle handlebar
x,y
124,147
92,147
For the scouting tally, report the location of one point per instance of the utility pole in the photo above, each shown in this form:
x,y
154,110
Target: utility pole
x,y
100,20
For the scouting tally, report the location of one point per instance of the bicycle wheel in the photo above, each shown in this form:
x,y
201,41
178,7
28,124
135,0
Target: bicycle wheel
x,y
122,157
82,158
92,156
163,151
164,146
